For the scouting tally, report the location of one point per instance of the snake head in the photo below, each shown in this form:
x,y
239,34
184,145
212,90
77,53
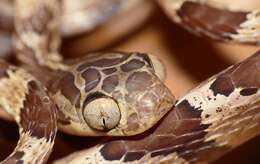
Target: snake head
x,y
114,94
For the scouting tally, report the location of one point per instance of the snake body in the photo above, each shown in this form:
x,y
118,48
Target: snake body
x,y
215,19
209,121
101,94
29,103
119,94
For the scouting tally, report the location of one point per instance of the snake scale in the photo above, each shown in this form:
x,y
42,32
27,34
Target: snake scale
x,y
119,94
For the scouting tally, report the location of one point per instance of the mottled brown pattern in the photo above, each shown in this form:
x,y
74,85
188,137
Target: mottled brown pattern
x,y
174,134
33,118
146,95
182,131
209,21
95,80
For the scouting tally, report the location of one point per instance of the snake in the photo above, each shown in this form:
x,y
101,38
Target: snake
x,y
215,19
212,119
102,94
119,94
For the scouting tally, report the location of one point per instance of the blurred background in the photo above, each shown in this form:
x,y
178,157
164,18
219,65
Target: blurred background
x,y
189,60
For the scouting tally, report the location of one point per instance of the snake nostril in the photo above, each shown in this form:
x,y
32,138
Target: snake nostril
x,y
102,114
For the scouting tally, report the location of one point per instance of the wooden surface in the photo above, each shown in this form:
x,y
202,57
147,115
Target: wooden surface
x,y
189,60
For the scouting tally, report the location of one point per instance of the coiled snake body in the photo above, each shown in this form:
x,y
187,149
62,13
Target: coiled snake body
x,y
218,20
119,94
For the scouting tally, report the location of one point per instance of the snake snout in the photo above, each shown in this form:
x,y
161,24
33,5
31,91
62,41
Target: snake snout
x,y
149,100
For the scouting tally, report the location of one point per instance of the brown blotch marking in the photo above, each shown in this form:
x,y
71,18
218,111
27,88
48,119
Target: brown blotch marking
x,y
222,85
105,62
113,150
138,81
38,115
186,111
132,65
132,156
67,87
248,91
92,78
15,158
110,83
109,71
217,22
38,22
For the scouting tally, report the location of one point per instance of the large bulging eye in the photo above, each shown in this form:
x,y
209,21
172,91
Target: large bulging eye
x,y
102,114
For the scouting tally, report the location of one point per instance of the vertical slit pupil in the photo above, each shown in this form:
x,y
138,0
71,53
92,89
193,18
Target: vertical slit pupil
x,y
104,122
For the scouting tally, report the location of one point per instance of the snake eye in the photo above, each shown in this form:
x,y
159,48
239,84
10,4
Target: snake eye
x,y
102,113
